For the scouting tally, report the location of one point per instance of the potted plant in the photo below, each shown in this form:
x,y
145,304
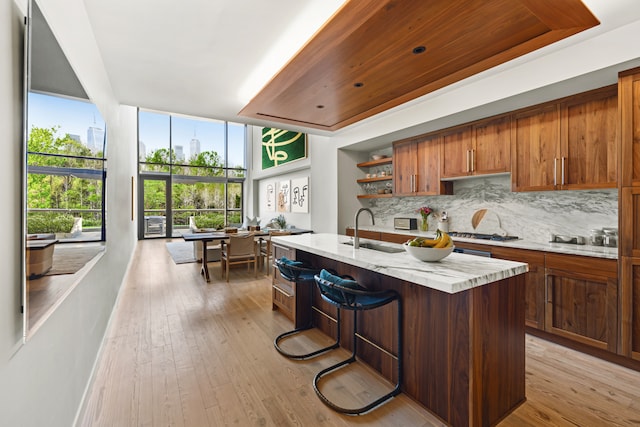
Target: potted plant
x,y
280,221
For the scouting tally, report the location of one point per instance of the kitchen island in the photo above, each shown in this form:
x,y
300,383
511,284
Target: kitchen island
x,y
463,324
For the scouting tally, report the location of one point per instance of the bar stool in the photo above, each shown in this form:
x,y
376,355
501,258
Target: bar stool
x,y
345,293
296,271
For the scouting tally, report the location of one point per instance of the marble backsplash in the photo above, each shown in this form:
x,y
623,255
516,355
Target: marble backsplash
x,y
529,215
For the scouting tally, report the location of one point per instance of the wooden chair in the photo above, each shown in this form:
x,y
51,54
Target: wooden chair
x,y
240,249
266,248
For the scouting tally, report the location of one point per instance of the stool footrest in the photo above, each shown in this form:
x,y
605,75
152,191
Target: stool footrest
x,y
352,411
276,344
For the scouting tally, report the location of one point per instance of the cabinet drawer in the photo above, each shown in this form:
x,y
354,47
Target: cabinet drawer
x,y
283,298
587,265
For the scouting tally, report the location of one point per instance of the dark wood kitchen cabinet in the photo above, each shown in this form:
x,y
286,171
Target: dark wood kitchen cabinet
x,y
589,140
534,141
630,308
416,167
629,105
287,296
481,148
568,144
582,299
534,282
629,190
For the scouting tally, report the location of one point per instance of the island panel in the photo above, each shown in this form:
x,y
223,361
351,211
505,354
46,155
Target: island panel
x,y
463,352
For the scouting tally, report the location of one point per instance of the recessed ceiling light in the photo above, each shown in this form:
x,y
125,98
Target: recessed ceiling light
x,y
418,50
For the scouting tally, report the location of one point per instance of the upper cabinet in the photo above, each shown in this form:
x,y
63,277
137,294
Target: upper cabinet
x,y
478,149
568,144
589,140
416,167
629,93
534,144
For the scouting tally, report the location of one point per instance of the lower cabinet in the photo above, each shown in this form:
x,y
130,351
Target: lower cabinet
x,y
582,299
287,296
630,308
574,297
383,236
364,234
534,282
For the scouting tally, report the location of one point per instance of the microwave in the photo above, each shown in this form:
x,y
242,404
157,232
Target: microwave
x,y
405,223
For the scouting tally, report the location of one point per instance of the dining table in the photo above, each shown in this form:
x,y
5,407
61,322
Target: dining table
x,y
221,236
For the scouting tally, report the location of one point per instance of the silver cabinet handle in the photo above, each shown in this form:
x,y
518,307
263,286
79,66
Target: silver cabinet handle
x,y
562,170
468,167
555,171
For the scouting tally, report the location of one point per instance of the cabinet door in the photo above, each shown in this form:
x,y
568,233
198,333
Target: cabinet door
x,y
404,168
535,137
630,308
534,282
629,233
491,151
428,166
456,153
582,301
629,103
589,140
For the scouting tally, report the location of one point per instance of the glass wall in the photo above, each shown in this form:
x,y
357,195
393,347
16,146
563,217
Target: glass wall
x,y
204,161
66,169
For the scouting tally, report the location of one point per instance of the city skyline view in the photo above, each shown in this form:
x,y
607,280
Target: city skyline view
x,y
75,117
71,116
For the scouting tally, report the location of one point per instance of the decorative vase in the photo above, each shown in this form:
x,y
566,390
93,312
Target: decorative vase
x,y
424,225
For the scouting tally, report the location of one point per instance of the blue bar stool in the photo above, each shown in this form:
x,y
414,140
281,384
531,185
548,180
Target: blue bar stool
x,y
345,293
296,271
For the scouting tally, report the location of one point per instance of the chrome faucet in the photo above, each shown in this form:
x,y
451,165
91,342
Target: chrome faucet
x,y
356,239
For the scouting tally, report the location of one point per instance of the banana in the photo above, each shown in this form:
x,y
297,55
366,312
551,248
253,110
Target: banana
x,y
444,241
431,243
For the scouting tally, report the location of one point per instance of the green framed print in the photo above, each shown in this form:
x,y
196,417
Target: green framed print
x,y
282,146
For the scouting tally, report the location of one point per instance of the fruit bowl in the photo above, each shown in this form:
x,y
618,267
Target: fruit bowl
x,y
428,254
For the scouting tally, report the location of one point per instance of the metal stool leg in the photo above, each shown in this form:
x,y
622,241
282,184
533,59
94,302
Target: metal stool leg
x,y
285,335
396,390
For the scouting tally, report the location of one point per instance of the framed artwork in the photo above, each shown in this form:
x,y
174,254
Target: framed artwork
x,y
284,196
282,146
271,197
300,195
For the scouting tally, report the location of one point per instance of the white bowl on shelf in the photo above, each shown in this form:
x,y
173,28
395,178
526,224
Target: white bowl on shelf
x,y
378,156
428,254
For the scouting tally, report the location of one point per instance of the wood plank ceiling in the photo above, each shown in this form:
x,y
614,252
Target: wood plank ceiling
x,y
367,58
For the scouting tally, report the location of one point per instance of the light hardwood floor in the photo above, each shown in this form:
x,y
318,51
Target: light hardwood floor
x,y
183,352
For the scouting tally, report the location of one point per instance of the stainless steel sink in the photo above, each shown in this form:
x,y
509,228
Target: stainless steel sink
x,y
376,247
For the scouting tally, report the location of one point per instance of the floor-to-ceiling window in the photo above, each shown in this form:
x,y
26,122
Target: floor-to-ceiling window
x,y
188,167
66,169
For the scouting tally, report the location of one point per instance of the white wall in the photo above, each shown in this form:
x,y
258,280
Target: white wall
x,y
43,380
319,166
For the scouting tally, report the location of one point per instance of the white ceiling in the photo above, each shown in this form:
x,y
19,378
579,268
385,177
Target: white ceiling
x,y
207,58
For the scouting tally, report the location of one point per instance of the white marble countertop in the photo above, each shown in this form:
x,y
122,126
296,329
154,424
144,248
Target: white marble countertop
x,y
455,273
561,248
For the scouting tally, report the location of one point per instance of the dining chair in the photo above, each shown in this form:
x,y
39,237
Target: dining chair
x,y
266,248
239,249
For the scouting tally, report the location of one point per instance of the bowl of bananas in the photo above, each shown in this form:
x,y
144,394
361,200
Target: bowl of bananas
x,y
430,250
